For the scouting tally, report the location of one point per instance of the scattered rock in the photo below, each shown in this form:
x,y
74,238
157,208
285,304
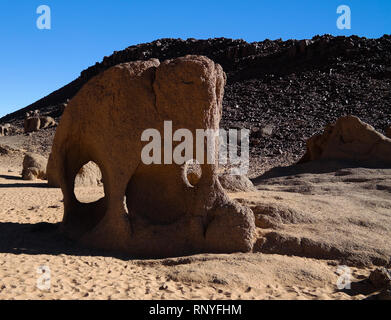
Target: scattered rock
x,y
7,150
32,122
163,287
349,139
236,183
276,215
5,129
267,130
47,122
268,86
380,278
89,175
34,167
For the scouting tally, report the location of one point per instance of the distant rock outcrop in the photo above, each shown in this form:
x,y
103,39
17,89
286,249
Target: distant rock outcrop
x,y
32,122
293,87
47,122
349,139
5,129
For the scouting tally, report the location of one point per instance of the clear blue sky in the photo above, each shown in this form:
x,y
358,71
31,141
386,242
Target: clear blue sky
x,y
36,62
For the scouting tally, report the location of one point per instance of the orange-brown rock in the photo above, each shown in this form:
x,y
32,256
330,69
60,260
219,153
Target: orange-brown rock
x,y
352,140
163,214
34,167
47,122
31,124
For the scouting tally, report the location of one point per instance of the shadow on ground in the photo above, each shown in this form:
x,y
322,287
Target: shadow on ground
x,y
21,185
43,238
313,167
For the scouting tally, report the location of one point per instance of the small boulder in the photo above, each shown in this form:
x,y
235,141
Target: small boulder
x,y
34,167
5,129
380,278
233,183
47,122
89,175
31,124
267,130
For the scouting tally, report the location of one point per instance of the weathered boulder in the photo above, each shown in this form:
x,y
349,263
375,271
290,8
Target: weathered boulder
x,y
34,167
47,122
380,278
5,129
349,139
148,210
32,122
89,175
236,183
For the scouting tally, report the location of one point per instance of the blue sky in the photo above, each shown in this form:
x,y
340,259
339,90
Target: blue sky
x,y
36,62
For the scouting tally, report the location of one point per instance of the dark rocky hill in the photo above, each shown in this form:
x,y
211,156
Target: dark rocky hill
x,y
284,91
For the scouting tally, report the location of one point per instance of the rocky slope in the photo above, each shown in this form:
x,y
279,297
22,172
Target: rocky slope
x,y
284,91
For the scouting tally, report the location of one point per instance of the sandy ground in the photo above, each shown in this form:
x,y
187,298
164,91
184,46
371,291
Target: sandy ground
x,y
29,217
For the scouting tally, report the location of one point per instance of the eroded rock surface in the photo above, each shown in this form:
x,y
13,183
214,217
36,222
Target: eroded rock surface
x,y
325,210
89,175
236,183
34,167
164,215
349,139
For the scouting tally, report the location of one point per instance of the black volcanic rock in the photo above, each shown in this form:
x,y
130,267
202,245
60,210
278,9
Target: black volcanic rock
x,y
295,87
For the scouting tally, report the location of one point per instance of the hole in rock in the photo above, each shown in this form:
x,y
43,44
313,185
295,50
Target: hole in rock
x,y
89,183
193,172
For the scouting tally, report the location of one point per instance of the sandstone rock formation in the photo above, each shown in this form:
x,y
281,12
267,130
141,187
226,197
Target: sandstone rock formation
x,y
32,122
89,175
34,167
47,122
5,129
324,210
349,139
236,183
163,214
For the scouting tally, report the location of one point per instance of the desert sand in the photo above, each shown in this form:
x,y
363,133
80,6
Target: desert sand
x,y
343,214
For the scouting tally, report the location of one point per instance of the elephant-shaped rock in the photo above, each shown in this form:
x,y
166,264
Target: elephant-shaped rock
x,y
148,210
